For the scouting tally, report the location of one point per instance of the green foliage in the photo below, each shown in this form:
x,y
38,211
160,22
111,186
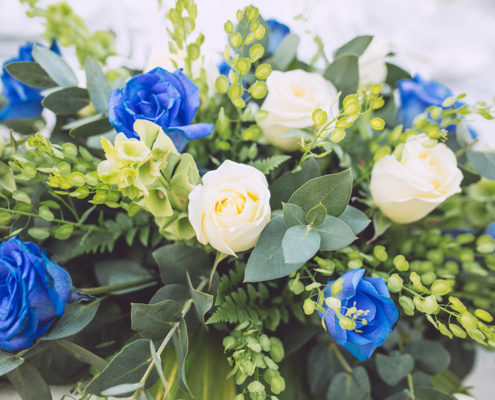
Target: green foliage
x,y
98,87
30,73
394,367
286,53
356,46
29,383
343,72
66,101
9,362
269,164
56,67
350,386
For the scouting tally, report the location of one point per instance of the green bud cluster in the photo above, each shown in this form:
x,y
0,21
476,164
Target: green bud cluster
x,y
254,357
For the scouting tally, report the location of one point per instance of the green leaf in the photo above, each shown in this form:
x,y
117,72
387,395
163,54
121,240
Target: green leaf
x,y
393,368
395,74
300,244
402,395
180,340
266,261
55,66
158,365
9,362
269,164
128,365
332,191
122,389
356,46
153,321
7,180
335,234
31,74
115,272
38,233
293,215
380,224
427,393
356,219
202,301
345,386
29,383
284,186
66,101
430,356
285,53
98,87
81,354
316,215
343,72
76,317
322,366
87,127
176,259
483,162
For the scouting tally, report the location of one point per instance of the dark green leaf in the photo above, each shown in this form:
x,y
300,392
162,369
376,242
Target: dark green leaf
x,y
380,224
321,367
395,74
427,393
332,191
345,386
87,127
293,214
29,383
66,101
176,292
356,219
9,362
153,321
128,365
55,66
402,395
181,347
202,301
285,53
266,261
343,72
31,74
76,317
115,272
98,87
300,244
430,356
393,368
176,259
158,364
335,234
283,187
356,46
316,215
82,354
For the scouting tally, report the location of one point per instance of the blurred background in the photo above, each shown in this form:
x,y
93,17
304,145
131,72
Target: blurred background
x,y
452,41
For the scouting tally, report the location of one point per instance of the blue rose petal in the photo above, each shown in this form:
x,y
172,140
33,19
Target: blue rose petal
x,y
277,32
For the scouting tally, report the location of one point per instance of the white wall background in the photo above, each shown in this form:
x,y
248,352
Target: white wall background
x,y
452,41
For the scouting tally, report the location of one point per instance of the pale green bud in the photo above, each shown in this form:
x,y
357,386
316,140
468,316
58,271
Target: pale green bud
x,y
258,89
265,343
256,52
319,116
376,89
483,315
259,33
428,278
416,281
380,253
377,124
236,39
69,150
243,65
337,287
226,52
395,283
222,84
45,213
485,244
456,304
238,102
468,321
430,305
239,15
444,330
457,330
240,396
441,287
347,323
277,352
277,384
228,27
252,13
401,263
249,38
263,71
235,90
308,307
233,77
229,343
333,302
407,305
337,135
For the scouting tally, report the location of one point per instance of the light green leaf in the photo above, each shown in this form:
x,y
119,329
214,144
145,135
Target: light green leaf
x,y
300,244
153,321
9,362
343,72
316,215
293,214
356,46
335,234
285,53
380,224
82,354
29,383
202,301
66,101
38,233
181,342
356,219
7,180
158,365
98,87
332,191
393,368
122,389
269,164
55,66
31,74
266,261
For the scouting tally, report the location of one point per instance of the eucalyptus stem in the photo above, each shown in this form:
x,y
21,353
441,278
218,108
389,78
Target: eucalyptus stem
x,y
113,288
341,358
185,309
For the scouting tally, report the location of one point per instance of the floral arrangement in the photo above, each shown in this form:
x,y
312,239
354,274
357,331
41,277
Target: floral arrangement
x,y
267,229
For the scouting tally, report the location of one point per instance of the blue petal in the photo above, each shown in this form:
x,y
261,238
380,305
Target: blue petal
x,y
277,33
182,134
22,110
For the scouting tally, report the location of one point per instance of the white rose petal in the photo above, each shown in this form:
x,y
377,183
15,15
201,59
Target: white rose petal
x,y
409,189
231,208
372,66
292,98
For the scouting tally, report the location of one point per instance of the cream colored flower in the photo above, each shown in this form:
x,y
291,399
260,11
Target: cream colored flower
x,y
231,208
372,66
292,98
408,189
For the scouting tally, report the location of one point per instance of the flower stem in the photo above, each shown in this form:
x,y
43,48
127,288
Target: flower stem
x,y
120,286
341,358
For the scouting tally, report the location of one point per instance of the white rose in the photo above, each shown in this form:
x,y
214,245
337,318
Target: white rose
x,y
372,67
460,396
292,98
231,208
408,189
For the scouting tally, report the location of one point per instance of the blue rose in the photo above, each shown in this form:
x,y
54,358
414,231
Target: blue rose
x,y
33,292
416,95
23,101
490,230
373,319
170,100
277,33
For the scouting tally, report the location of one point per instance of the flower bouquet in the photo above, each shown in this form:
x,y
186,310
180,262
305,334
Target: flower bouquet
x,y
269,228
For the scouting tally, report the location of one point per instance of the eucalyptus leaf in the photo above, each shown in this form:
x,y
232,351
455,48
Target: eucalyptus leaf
x,y
158,364
316,215
202,301
345,386
356,46
402,395
483,162
333,191
82,354
75,318
91,126
55,66
29,383
181,343
300,244
122,389
343,72
293,215
356,219
266,261
67,100
427,393
153,321
9,362
393,368
285,53
395,74
120,271
98,87
335,234
31,74
430,356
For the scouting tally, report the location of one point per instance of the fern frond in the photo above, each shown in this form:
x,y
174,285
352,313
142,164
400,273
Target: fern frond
x,y
269,164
